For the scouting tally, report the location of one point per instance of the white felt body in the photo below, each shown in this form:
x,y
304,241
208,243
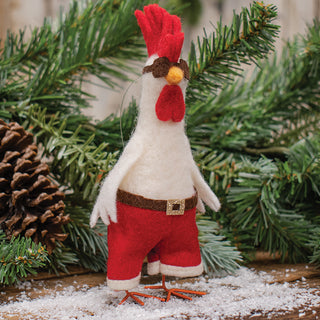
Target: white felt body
x,y
157,162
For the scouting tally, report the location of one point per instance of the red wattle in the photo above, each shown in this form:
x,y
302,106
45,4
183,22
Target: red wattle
x,y
170,104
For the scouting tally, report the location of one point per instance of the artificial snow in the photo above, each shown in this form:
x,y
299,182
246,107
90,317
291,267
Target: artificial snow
x,y
243,294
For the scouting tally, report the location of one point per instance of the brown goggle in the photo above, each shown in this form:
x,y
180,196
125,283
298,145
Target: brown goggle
x,y
160,67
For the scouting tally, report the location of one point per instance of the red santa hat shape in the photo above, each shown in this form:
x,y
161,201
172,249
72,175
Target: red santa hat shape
x,y
161,32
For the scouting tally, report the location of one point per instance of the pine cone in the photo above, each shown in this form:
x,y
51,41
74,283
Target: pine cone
x,y
30,204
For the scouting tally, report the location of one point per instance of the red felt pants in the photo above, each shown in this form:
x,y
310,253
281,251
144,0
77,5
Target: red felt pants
x,y
172,240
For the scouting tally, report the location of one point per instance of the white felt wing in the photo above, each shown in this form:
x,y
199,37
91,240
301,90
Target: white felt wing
x,y
204,191
200,206
105,206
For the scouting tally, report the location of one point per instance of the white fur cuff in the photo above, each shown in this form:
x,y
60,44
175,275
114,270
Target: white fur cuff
x,y
181,271
124,284
153,268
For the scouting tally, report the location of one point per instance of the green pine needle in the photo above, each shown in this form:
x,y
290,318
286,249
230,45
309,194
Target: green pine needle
x,y
249,38
254,138
77,164
267,198
267,112
51,67
19,258
217,253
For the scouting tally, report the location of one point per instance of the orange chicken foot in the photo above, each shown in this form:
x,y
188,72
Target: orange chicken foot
x,y
175,291
134,295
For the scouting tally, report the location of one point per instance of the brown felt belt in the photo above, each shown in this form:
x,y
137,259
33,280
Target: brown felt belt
x,y
171,207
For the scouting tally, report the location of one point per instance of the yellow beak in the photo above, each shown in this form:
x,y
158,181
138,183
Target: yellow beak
x,y
174,76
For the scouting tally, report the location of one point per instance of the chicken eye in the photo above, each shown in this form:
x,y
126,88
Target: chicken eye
x,y
184,66
159,68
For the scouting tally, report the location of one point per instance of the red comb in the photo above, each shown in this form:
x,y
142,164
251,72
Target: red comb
x,y
161,32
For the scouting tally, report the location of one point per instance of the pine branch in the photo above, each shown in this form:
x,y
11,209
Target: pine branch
x,y
315,244
90,246
61,258
266,204
50,68
275,107
19,257
302,171
217,253
274,152
249,37
78,165
117,130
265,200
219,169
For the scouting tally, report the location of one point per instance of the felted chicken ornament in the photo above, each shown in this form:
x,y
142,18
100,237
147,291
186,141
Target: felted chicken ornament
x,y
149,198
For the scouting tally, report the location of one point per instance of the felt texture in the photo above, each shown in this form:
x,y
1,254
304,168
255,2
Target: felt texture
x,y
163,169
185,68
170,105
169,270
204,191
174,76
153,268
124,284
161,66
157,205
161,32
157,164
170,46
173,239
105,206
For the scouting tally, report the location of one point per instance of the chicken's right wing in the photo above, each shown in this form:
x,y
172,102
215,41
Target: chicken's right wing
x,y
105,206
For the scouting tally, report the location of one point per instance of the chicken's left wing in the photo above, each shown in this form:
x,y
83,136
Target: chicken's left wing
x,y
204,191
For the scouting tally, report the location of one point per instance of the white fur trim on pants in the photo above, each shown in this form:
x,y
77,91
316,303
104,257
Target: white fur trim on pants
x,y
168,270
181,271
153,268
124,284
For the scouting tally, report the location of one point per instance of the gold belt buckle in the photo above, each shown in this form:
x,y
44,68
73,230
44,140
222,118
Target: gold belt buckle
x,y
175,212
